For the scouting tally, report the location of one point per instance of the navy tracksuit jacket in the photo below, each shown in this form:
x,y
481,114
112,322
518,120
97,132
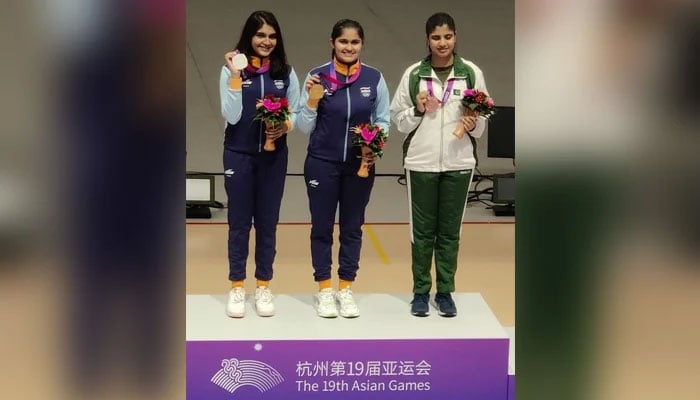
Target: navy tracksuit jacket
x,y
330,170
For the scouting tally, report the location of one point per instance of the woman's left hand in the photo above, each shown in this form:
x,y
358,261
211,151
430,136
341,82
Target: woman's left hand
x,y
276,131
370,158
469,122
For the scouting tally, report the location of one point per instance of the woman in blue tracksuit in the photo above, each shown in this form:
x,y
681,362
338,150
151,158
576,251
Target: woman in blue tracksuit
x,y
354,93
254,178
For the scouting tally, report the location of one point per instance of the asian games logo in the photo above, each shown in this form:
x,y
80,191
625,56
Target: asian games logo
x,y
235,373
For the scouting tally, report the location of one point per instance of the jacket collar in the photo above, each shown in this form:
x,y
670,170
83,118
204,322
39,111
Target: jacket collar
x,y
344,69
258,62
459,69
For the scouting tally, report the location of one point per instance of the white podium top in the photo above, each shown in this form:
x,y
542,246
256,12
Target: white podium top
x,y
382,316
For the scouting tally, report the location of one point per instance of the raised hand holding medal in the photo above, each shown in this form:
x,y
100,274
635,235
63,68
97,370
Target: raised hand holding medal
x,y
432,104
239,61
236,62
315,90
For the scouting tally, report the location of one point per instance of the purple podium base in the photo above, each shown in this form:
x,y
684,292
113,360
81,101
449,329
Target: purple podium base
x,y
511,387
511,363
384,354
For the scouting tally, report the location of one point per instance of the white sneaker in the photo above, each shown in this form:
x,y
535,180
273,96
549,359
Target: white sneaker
x,y
235,308
324,302
263,302
346,302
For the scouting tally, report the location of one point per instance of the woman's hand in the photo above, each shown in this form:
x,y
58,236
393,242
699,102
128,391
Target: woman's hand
x,y
274,132
235,73
315,90
369,158
469,122
313,80
421,99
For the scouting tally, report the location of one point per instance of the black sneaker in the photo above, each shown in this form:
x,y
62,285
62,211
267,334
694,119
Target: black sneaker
x,y
419,305
445,305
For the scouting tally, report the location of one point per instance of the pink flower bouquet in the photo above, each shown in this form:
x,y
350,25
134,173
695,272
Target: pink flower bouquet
x,y
475,103
273,111
371,139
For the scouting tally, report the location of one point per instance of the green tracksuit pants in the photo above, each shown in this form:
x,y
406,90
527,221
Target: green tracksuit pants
x,y
437,202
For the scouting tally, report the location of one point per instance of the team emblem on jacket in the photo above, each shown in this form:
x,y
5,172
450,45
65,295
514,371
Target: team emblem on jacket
x,y
366,91
279,84
247,82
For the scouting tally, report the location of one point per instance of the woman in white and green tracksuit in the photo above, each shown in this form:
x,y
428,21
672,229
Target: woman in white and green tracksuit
x,y
439,166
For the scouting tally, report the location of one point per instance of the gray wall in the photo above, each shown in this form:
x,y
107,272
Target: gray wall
x,y
395,38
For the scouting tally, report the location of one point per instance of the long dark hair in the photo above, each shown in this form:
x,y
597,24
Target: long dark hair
x,y
279,68
346,23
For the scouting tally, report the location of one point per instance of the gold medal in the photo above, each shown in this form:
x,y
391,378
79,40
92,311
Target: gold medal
x,y
316,92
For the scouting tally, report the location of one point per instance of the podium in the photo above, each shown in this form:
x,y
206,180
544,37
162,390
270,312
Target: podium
x,y
511,364
386,353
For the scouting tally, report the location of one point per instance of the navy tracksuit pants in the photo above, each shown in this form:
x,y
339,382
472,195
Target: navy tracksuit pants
x,y
333,185
254,185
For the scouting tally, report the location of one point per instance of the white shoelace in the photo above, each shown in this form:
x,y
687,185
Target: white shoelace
x,y
238,295
325,296
345,297
265,295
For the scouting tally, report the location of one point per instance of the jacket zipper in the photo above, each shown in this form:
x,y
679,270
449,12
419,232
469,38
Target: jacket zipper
x,y
262,95
442,125
347,122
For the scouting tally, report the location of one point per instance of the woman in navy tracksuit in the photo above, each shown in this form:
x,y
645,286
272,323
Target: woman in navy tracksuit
x,y
354,93
254,178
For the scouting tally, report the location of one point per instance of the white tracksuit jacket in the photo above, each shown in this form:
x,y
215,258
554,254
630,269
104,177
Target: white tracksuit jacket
x,y
433,147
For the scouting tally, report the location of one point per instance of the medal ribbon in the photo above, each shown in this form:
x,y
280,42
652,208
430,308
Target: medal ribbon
x,y
250,69
264,68
333,78
446,94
